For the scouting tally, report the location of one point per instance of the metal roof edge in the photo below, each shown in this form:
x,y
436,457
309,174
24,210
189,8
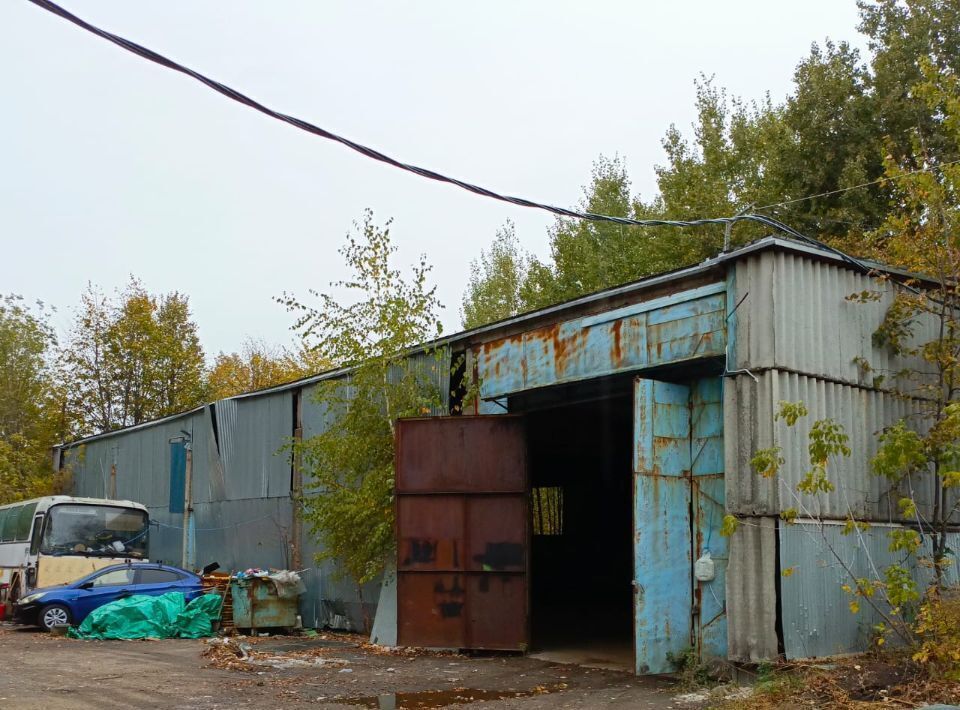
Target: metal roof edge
x,y
822,253
647,282
135,427
762,244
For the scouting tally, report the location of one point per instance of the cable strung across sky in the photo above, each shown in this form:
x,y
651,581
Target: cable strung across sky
x,y
424,172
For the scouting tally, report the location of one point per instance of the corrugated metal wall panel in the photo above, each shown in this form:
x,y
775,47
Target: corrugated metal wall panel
x,y
142,458
253,432
747,427
796,316
225,412
752,592
748,412
332,600
244,533
317,415
433,367
817,620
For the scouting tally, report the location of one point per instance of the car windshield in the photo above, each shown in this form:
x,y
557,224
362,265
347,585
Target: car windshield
x,y
95,530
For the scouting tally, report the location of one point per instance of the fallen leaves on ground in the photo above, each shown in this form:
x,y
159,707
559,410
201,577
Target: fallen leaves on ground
x,y
889,680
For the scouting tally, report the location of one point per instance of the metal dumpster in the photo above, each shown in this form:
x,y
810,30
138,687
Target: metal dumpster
x,y
258,605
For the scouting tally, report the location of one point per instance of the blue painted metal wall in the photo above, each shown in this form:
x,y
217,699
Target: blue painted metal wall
x,y
178,475
662,543
708,509
683,326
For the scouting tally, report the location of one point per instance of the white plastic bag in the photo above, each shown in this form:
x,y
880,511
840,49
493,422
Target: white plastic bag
x,y
703,568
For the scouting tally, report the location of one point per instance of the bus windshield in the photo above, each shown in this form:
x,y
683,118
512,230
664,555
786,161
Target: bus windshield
x,y
96,530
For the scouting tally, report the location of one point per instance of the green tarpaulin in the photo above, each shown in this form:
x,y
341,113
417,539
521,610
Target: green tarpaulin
x,y
141,617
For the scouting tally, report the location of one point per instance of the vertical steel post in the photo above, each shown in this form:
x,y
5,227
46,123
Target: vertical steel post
x,y
186,551
113,473
296,484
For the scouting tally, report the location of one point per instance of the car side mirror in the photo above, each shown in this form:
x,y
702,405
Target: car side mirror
x,y
86,585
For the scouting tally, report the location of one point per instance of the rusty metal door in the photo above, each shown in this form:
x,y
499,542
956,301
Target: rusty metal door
x,y
663,598
678,513
462,533
708,508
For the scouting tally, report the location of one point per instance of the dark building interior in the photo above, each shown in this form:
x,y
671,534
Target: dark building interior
x,y
581,567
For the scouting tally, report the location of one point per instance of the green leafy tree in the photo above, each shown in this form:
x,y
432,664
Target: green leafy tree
x,y
922,234
259,365
493,292
588,256
724,170
348,468
815,161
178,371
919,454
30,412
132,358
905,37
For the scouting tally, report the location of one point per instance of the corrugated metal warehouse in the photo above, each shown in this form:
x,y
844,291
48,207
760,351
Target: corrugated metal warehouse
x,y
612,435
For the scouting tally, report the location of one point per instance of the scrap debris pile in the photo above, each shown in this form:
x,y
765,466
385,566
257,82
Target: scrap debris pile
x,y
239,653
287,583
254,598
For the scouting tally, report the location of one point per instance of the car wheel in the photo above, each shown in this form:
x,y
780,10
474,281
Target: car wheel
x,y
54,615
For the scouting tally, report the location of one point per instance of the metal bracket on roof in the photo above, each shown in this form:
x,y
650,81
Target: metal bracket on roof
x,y
496,401
744,371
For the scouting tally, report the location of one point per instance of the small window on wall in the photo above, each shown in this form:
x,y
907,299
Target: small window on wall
x,y
547,505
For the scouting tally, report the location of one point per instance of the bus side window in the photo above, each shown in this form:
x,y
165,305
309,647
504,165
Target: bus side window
x,y
35,535
8,533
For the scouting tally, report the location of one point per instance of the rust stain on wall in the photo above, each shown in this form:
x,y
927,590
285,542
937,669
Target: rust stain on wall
x,y
617,349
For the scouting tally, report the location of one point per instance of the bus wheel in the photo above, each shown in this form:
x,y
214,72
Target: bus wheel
x,y
54,615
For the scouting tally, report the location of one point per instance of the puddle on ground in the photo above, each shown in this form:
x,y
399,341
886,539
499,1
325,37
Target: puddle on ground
x,y
433,698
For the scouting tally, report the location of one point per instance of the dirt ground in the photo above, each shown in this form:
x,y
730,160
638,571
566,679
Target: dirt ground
x,y
329,670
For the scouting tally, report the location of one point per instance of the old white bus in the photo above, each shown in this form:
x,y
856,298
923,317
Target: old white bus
x,y
57,539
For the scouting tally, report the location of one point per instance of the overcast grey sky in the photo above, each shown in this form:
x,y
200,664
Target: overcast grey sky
x,y
112,165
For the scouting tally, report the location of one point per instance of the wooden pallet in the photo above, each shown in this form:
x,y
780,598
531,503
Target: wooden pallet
x,y
219,583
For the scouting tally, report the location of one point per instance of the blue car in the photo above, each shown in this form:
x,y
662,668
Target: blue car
x,y
70,603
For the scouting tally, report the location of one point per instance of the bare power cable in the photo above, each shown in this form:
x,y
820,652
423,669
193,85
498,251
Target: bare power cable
x,y
235,95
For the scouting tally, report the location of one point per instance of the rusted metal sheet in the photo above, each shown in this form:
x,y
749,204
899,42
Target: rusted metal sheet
x,y
256,605
687,325
662,534
707,495
679,509
462,532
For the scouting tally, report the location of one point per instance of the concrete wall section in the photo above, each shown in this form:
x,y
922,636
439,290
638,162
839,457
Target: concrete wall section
x,y
752,593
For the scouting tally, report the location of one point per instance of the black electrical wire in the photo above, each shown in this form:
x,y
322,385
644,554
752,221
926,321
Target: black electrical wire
x,y
235,95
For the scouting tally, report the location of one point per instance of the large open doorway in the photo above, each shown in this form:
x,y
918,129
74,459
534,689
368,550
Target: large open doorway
x,y
569,528
581,556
